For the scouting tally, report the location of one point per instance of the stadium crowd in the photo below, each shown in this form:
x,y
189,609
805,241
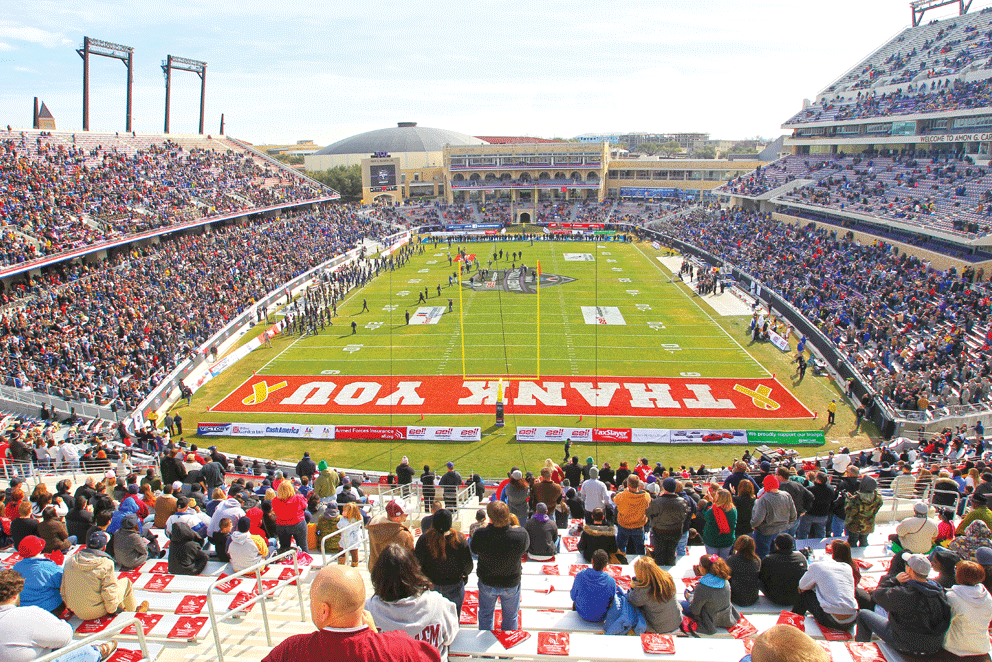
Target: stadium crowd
x,y
749,520
108,332
918,335
56,195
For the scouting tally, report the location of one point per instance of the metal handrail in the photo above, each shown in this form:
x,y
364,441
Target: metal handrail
x,y
360,525
261,597
100,636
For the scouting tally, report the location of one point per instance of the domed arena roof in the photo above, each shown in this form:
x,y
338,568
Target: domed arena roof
x,y
404,137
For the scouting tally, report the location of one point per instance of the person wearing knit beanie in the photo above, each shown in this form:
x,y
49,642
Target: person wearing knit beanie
x,y
774,513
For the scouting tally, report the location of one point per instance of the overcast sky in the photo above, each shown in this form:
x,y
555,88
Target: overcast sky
x,y
288,70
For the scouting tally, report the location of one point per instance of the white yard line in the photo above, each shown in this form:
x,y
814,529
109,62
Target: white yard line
x,y
704,312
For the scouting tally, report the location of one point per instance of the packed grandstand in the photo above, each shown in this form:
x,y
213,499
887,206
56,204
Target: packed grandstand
x,y
125,256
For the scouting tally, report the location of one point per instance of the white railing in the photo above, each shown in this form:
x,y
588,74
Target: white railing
x,y
101,636
261,597
360,526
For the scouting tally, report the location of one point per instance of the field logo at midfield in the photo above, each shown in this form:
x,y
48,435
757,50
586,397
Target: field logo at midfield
x,y
678,397
603,315
430,315
578,257
514,281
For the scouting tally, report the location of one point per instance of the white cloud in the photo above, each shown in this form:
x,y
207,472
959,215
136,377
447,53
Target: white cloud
x,y
15,32
5,47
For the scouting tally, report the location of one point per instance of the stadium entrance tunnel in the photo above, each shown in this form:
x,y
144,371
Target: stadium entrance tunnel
x,y
524,217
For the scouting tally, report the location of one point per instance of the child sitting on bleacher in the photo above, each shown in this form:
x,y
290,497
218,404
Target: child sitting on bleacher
x,y
245,548
709,604
220,539
593,589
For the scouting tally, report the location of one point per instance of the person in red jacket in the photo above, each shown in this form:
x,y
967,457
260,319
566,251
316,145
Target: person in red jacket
x,y
289,508
345,630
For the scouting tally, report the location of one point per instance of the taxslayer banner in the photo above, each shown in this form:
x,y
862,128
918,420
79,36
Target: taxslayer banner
x,y
299,431
680,397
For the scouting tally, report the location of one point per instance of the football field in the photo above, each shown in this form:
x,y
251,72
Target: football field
x,y
605,309
603,336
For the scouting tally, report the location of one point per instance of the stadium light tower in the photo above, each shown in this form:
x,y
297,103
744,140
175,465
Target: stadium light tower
x,y
920,7
183,64
106,49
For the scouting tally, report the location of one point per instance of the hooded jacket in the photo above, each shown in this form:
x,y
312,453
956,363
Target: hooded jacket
x,y
246,550
186,555
42,582
229,508
592,592
428,617
597,536
326,483
128,507
89,584
130,549
971,611
919,614
711,606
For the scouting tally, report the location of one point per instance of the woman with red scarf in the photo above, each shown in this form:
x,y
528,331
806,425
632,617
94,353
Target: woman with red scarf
x,y
719,530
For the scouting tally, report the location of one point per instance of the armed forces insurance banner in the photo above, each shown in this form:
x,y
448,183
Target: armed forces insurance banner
x,y
684,397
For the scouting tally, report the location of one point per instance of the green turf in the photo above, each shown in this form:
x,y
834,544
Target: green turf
x,y
668,331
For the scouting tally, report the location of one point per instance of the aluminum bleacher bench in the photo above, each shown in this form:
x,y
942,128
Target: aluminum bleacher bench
x,y
157,626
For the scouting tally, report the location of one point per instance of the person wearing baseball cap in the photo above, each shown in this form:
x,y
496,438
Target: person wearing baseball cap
x,y
388,527
917,534
918,611
450,481
90,587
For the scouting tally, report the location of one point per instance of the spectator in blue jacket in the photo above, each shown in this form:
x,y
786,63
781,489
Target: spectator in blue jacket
x,y
42,577
593,589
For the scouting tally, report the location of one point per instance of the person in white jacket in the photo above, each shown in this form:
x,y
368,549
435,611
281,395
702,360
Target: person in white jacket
x,y
245,549
229,508
971,612
403,601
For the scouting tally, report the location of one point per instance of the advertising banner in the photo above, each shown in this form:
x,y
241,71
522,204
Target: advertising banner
x,y
802,438
554,434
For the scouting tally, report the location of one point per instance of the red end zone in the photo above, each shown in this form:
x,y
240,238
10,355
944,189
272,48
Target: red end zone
x,y
556,396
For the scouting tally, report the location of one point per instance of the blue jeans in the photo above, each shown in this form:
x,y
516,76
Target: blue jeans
x,y
453,592
722,552
84,654
637,535
509,602
812,526
763,543
836,526
793,529
680,549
